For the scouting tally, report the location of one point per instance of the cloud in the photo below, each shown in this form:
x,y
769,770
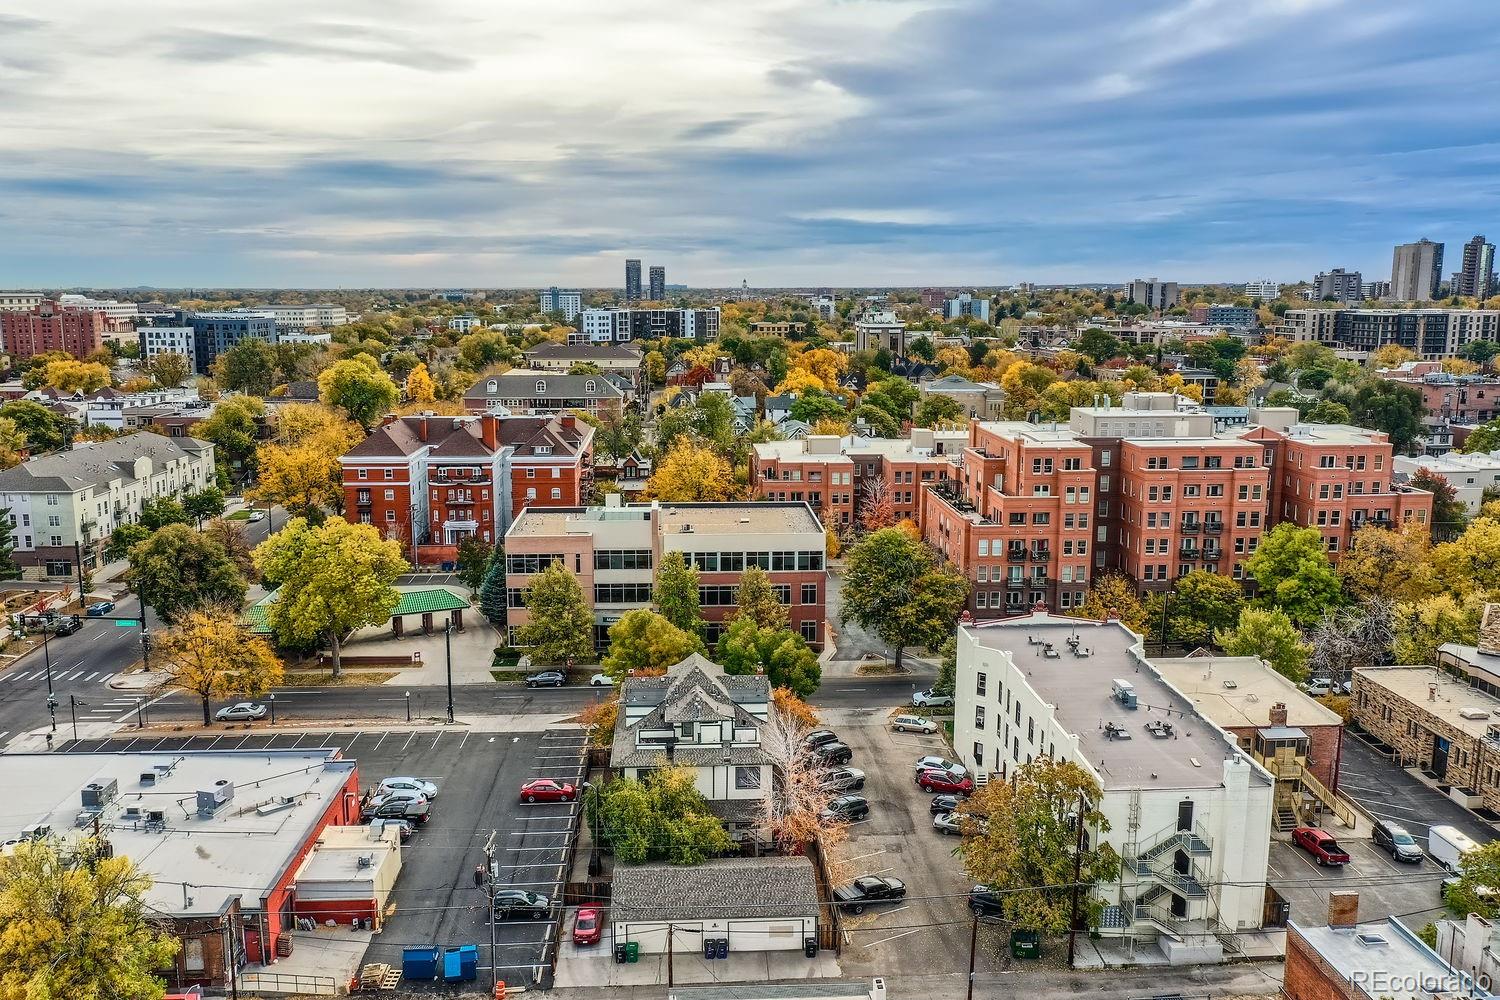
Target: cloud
x,y
811,142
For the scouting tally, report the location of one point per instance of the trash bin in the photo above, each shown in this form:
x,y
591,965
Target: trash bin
x,y
452,970
419,964
632,951
1026,944
468,963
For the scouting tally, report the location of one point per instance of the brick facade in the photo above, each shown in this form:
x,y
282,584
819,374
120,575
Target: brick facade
x,y
1308,976
52,327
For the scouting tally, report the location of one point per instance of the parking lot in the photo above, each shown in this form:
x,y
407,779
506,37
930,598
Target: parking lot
x,y
930,930
1386,887
479,777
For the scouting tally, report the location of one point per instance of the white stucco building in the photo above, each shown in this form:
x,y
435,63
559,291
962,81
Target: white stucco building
x,y
1188,810
1469,474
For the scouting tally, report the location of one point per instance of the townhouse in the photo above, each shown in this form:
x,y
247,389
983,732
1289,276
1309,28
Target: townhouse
x,y
432,481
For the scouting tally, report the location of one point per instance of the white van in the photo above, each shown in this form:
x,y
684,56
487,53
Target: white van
x,y
1447,845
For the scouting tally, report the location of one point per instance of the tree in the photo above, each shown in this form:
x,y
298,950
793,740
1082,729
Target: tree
x,y
1293,573
1328,412
204,505
234,429
478,351
691,474
231,537
894,396
1478,874
331,580
248,367
757,600
676,593
13,444
74,922
1423,626
661,818
1448,512
419,386
879,421
359,387
656,368
1468,562
1025,850
208,654
559,624
781,654
492,592
1099,345
1271,636
894,586
1203,603
936,410
159,512
1389,356
921,346
815,404
877,508
1394,563
170,369
793,804
300,469
1484,438
642,642
1112,596
122,539
473,561
178,570
44,430
72,375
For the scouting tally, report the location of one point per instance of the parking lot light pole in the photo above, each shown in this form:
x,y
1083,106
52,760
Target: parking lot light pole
x,y
973,944
448,652
408,706
140,704
273,708
73,711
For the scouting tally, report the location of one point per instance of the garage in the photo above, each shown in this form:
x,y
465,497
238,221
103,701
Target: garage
x,y
739,904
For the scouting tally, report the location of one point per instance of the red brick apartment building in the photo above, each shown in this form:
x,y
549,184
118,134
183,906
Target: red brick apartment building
x,y
52,327
615,551
455,477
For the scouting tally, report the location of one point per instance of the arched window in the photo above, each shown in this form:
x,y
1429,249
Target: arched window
x,y
491,386
588,387
541,386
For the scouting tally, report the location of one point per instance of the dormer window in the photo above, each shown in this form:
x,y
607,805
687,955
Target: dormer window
x,y
491,386
541,387
544,449
589,387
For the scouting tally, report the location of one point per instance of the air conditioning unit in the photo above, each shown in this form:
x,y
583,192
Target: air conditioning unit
x,y
210,799
133,813
1473,712
97,796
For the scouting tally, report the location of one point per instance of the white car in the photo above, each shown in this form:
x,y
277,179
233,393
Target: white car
x,y
601,681
1319,686
256,515
931,699
414,785
245,711
934,763
913,724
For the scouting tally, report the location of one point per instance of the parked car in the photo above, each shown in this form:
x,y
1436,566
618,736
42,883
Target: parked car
x,y
931,699
868,890
945,781
67,625
587,925
1319,686
933,763
947,823
245,711
845,779
984,902
256,515
849,808
416,785
945,803
416,810
548,790
1321,845
1394,839
834,753
913,724
547,678
403,825
99,608
511,904
818,737
601,681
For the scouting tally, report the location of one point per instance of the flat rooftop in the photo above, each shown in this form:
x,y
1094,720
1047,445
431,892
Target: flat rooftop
x,y
1436,693
1056,434
1217,440
1344,434
1238,691
1385,960
1079,689
198,864
757,517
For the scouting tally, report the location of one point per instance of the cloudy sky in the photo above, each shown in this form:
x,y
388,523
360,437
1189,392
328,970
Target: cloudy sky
x,y
514,142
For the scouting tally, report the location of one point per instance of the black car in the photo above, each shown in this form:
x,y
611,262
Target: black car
x,y
984,902
846,807
845,779
512,904
834,753
818,737
869,890
67,625
1394,840
945,803
547,678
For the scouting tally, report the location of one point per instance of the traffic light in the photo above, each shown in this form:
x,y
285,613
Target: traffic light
x,y
52,703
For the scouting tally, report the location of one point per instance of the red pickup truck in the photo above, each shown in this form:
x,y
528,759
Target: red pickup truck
x,y
1321,845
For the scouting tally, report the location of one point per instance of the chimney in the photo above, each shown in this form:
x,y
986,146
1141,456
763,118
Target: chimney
x,y
1278,714
489,431
1343,909
567,420
422,428
1489,630
1432,692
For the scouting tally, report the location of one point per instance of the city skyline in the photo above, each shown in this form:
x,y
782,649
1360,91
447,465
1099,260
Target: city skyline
x,y
823,143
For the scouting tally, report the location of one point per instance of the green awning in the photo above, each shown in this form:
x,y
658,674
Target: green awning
x,y
413,602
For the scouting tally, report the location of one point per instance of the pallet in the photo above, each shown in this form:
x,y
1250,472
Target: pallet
x,y
379,976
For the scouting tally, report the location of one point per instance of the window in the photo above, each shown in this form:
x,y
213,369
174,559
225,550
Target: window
x,y
531,494
622,559
390,494
556,493
622,593
59,567
54,520
782,592
745,778
363,474
719,596
590,387
390,517
979,717
980,683
531,563
809,593
390,473
541,387
809,630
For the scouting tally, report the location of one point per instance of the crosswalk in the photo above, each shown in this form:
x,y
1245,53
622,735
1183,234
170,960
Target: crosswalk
x,y
59,676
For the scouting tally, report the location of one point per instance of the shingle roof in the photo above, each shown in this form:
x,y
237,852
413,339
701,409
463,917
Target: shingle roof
x,y
97,463
695,690
583,352
734,888
522,385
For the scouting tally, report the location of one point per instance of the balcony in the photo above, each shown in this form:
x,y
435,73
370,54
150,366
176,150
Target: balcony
x,y
1189,552
1016,555
1190,527
1016,583
1041,555
1213,527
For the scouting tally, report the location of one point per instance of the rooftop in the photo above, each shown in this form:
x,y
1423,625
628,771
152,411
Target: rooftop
x,y
97,463
1238,691
1079,688
1051,434
734,888
198,863
1437,693
758,517
1384,959
1335,434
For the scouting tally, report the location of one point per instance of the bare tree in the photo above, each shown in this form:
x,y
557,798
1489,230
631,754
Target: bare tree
x,y
1350,638
800,790
877,506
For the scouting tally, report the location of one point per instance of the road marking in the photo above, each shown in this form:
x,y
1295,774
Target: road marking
x,y
106,678
464,740
408,741
96,638
381,740
4,734
92,676
893,937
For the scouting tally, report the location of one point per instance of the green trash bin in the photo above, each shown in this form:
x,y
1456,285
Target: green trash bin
x,y
632,951
1026,944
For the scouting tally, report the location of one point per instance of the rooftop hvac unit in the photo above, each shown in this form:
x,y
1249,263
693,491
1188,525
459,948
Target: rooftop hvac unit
x,y
133,812
1123,692
1473,713
210,799
97,795
148,778
156,816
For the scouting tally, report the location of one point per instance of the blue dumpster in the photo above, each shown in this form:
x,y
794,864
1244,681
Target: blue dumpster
x,y
419,964
468,963
451,972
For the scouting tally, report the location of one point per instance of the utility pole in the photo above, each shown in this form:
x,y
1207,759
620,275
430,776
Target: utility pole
x,y
78,557
1077,874
489,869
448,652
73,711
1166,599
145,634
973,945
669,954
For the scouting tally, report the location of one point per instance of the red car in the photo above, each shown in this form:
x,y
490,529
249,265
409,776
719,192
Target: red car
x,y
588,925
945,781
1321,845
547,790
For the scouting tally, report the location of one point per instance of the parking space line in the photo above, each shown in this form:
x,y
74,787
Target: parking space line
x,y
464,740
381,740
872,944
408,741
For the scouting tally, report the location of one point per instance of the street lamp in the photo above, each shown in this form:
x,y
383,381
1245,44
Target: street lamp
x,y
448,652
140,704
73,711
273,708
408,706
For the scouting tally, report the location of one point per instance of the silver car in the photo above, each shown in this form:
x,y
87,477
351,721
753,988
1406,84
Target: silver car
x,y
931,699
245,711
414,785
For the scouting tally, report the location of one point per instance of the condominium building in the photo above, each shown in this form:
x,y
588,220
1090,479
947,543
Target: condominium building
x,y
158,340
294,318
1235,317
20,301
1188,810
1417,271
568,301
632,280
1154,294
1345,286
1464,399
965,304
1477,276
1428,333
826,306
63,506
880,330
984,400
216,332
1265,289
52,326
603,326
430,481
1473,476
526,391
657,288
615,551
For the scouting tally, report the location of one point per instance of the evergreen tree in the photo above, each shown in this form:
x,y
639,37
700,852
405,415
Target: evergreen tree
x,y
8,568
676,593
492,597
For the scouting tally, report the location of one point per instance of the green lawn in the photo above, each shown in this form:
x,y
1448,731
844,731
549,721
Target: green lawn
x,y
239,515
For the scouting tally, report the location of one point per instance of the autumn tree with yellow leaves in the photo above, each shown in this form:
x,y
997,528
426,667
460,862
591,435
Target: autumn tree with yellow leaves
x,y
691,473
299,468
419,386
208,654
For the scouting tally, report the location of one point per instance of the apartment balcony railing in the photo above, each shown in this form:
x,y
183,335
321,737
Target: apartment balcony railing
x,y
1213,527
1016,555
1189,552
1191,527
1016,583
1041,555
